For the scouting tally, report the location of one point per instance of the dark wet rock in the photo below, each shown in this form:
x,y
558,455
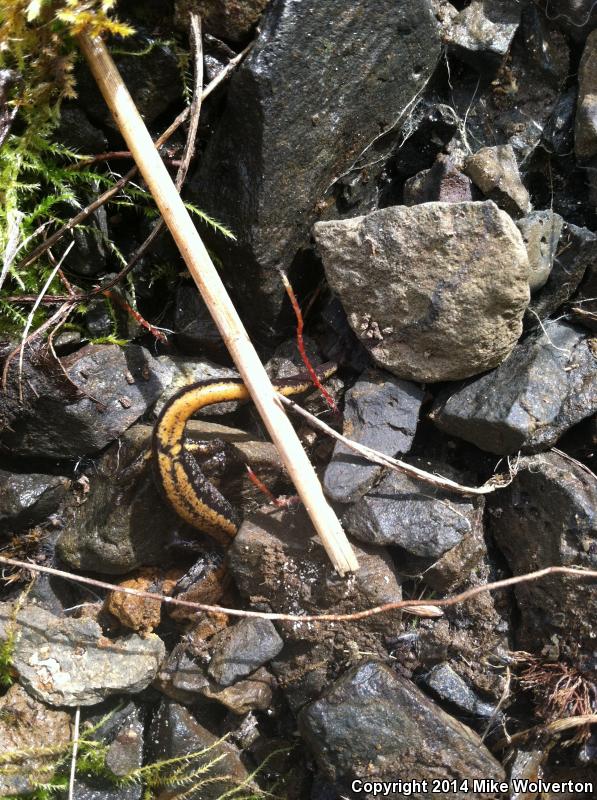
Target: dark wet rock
x,y
76,132
457,274
585,131
152,77
175,732
113,387
541,233
108,792
255,693
341,343
230,19
449,687
292,125
576,254
544,388
98,321
122,522
422,520
69,662
181,676
125,752
380,412
91,256
547,517
559,128
196,332
483,31
495,171
205,582
443,183
279,564
376,725
26,499
25,722
177,372
67,342
241,649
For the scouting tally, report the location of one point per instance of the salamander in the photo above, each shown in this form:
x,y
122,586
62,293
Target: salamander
x,y
176,471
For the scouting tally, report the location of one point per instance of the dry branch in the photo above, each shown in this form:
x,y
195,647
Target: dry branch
x,y
216,298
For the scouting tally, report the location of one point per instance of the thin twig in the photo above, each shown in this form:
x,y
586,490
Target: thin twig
x,y
558,726
73,760
387,461
398,605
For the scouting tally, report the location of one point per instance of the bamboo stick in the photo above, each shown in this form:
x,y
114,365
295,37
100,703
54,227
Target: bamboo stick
x,y
221,308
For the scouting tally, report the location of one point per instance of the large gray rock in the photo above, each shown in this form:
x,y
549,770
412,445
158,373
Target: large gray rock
x,y
293,124
69,662
376,725
544,388
436,291
381,412
240,650
585,129
548,517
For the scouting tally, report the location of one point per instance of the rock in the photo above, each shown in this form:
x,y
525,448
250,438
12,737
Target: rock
x,y
376,725
451,688
422,520
196,332
483,31
240,650
125,753
151,73
541,233
68,662
27,723
575,256
547,517
113,387
380,412
98,321
544,388
279,564
457,274
175,733
292,125
181,677
91,256
141,614
254,694
205,582
177,373
76,132
495,171
28,499
443,183
228,19
585,129
559,128
121,523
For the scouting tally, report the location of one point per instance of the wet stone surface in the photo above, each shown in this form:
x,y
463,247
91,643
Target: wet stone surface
x,y
380,412
371,710
544,388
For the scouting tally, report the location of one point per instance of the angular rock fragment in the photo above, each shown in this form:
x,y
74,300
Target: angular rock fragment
x,y
575,256
483,31
541,233
69,662
585,128
293,125
443,183
196,332
451,688
241,649
42,413
548,517
495,171
544,388
380,412
434,291
29,498
228,19
376,725
422,520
